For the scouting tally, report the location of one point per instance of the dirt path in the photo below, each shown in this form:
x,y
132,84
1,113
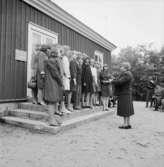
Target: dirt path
x,y
97,144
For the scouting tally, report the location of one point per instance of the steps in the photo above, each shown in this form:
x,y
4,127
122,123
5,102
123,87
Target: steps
x,y
28,114
35,118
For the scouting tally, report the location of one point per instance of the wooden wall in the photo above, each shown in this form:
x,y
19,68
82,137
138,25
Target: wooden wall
x,y
14,18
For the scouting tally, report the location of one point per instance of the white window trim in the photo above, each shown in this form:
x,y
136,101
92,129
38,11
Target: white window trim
x,y
100,55
43,30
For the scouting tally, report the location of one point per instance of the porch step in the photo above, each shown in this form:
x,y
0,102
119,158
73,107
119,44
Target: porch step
x,y
28,114
44,127
33,107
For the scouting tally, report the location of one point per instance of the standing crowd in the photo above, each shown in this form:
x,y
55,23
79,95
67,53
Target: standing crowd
x,y
66,80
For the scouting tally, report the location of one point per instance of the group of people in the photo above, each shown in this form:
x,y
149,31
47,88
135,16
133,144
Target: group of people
x,y
154,94
68,80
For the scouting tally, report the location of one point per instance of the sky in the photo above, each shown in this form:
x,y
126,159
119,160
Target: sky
x,y
122,22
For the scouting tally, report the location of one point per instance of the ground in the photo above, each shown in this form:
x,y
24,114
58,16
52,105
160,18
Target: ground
x,y
97,144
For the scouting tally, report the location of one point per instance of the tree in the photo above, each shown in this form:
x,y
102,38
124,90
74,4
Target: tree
x,y
145,62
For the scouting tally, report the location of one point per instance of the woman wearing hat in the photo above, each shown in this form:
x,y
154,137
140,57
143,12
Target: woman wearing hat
x,y
53,92
123,86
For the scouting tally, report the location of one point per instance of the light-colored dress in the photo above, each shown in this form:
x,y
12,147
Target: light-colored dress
x,y
66,72
94,75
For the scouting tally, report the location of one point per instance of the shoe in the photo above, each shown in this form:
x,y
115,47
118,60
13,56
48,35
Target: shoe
x,y
59,121
66,111
122,127
125,127
70,109
54,124
129,127
58,113
77,108
41,103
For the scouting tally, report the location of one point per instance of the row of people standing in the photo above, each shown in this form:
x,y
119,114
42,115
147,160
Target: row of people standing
x,y
66,77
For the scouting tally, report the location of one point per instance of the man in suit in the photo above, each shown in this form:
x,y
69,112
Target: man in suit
x,y
79,61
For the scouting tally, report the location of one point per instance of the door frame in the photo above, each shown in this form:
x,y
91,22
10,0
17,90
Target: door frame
x,y
32,27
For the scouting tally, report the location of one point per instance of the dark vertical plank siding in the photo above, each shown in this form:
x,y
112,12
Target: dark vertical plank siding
x,y
3,43
14,18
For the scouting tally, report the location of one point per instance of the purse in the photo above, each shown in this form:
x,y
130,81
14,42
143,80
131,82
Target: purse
x,y
32,83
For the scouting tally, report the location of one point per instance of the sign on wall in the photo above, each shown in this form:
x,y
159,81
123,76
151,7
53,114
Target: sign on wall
x,y
20,55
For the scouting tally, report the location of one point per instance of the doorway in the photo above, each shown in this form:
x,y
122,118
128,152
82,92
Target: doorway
x,y
37,35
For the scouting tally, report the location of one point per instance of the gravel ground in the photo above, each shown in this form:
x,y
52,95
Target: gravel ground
x,y
97,144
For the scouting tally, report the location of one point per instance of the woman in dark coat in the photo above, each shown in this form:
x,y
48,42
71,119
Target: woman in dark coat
x,y
53,91
105,79
40,72
123,86
87,80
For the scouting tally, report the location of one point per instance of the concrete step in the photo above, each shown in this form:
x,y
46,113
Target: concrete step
x,y
28,114
40,126
74,114
33,107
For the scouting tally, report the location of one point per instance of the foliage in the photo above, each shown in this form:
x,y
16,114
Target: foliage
x,y
145,62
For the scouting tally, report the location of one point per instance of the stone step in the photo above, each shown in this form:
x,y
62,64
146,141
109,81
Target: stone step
x,y
40,126
75,113
28,114
33,107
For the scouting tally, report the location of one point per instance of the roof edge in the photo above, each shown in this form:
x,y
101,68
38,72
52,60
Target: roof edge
x,y
51,9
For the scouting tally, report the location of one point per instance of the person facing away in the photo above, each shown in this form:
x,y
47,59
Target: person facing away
x,y
123,86
53,89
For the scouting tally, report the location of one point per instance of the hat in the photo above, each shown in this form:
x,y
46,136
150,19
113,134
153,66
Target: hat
x,y
44,47
54,52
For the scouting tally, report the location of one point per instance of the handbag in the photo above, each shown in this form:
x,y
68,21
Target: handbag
x,y
32,83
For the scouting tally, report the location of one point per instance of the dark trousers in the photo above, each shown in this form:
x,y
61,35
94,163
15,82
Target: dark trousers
x,y
77,100
149,94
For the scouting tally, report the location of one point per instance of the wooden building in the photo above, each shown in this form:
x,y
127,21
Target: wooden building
x,y
25,23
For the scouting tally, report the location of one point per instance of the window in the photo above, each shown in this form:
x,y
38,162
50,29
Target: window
x,y
99,57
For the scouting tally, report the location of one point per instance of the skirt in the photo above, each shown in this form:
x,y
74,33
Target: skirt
x,y
125,105
106,90
66,83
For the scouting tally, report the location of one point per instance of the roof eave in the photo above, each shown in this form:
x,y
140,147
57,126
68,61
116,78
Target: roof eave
x,y
54,11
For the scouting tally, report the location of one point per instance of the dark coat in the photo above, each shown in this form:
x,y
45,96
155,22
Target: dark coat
x,y
79,74
73,73
123,87
53,91
105,84
40,57
87,79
